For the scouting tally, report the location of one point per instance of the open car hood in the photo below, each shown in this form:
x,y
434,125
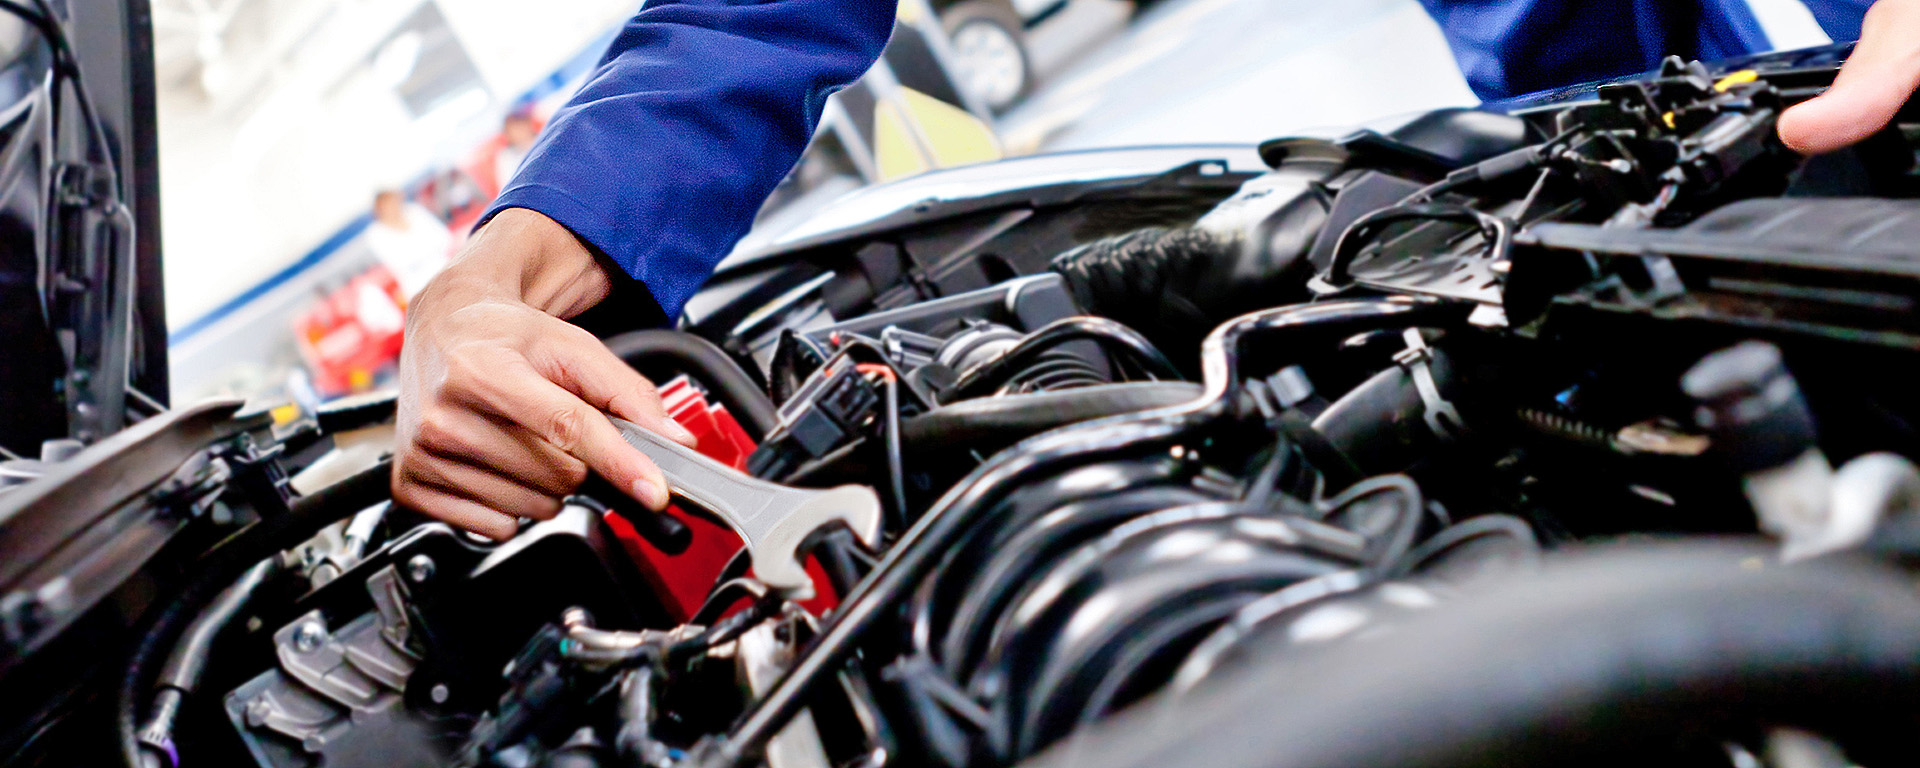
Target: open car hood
x,y
80,279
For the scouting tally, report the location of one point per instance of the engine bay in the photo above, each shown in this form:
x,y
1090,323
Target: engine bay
x,y
1571,434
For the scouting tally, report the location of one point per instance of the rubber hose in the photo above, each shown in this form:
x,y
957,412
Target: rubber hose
x,y
1381,424
1604,650
1035,346
1000,421
225,564
709,364
1149,278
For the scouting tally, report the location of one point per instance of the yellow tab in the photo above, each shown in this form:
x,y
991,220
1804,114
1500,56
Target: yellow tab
x,y
285,414
953,134
1741,77
894,150
1669,118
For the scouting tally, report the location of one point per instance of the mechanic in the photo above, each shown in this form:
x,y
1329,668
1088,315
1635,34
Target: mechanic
x,y
658,165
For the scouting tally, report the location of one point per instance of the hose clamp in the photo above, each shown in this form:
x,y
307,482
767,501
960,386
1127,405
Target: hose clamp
x,y
1440,414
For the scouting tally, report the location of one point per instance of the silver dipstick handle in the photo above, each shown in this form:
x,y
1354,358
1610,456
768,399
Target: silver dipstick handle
x,y
773,520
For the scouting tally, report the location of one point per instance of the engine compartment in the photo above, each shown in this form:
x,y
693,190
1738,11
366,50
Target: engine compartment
x,y
1577,434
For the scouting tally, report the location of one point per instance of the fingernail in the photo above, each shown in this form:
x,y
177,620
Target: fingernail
x,y
679,434
650,494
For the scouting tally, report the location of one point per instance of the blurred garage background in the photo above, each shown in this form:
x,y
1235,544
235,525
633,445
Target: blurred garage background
x,y
280,120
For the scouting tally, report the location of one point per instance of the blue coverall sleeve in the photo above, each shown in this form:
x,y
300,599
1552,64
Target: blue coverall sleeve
x,y
1509,48
695,113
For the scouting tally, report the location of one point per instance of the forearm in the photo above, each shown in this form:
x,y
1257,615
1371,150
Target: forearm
x,y
699,109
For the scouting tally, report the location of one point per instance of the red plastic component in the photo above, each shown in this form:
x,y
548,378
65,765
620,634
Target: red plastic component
x,y
682,580
353,333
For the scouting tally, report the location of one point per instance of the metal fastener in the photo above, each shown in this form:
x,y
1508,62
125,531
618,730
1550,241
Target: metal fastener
x,y
258,710
420,568
309,637
439,693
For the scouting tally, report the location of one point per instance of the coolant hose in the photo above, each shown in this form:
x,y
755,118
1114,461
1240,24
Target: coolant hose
x,y
220,569
709,364
1381,425
996,422
1603,652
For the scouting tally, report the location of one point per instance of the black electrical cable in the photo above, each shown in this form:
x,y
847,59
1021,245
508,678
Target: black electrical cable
x,y
707,363
1498,231
724,630
724,596
841,559
896,471
1114,336
1493,168
220,568
735,568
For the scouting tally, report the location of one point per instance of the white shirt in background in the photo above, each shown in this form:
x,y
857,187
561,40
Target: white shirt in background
x,y
505,162
414,254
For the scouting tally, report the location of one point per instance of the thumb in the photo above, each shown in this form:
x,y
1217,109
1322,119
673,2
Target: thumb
x,y
1874,84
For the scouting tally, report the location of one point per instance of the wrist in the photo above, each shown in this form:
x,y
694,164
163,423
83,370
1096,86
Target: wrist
x,y
523,256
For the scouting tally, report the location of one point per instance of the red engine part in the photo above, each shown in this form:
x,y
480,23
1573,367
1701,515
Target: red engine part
x,y
682,581
353,333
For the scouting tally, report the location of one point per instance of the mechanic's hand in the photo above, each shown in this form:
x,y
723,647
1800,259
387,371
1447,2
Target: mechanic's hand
x,y
1875,82
501,400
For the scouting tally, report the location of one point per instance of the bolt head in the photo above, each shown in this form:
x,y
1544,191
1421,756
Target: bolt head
x,y
419,568
309,637
439,693
258,710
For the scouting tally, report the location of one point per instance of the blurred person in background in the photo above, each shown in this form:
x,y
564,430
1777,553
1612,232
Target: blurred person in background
x,y
408,239
519,132
644,180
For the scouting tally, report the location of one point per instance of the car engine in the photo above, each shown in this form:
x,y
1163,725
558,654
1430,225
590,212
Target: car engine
x,y
1570,432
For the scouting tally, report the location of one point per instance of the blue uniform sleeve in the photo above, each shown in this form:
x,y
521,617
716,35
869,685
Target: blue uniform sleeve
x,y
1840,18
1508,48
696,112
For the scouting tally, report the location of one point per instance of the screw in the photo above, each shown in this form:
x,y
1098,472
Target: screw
x,y
439,693
420,568
258,710
309,636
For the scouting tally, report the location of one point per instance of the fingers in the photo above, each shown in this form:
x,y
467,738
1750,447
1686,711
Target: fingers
x,y
456,511
582,365
468,437
1876,81
498,492
571,425
505,410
